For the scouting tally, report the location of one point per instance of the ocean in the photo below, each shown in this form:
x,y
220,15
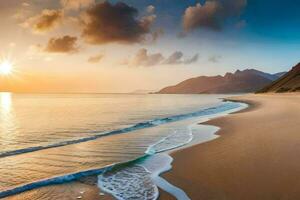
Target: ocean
x,y
56,138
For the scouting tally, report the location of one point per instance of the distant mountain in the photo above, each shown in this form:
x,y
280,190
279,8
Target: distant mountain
x,y
280,74
289,82
249,80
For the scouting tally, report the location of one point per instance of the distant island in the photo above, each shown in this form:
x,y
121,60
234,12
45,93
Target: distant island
x,y
290,82
249,80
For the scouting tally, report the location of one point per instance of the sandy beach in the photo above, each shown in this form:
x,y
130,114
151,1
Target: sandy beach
x,y
85,188
256,157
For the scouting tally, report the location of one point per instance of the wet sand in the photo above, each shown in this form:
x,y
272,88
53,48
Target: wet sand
x,y
256,157
84,188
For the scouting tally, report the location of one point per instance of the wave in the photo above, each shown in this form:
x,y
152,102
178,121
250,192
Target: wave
x,y
173,141
225,106
70,177
141,179
153,149
51,181
131,182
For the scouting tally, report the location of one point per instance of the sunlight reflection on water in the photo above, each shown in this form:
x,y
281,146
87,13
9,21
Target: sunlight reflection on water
x,y
7,119
5,99
29,120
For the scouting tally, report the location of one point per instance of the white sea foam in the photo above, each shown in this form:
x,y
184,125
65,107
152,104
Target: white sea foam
x,y
141,179
159,164
174,140
132,182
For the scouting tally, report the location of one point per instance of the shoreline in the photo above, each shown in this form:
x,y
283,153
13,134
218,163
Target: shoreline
x,y
250,106
77,182
238,164
210,130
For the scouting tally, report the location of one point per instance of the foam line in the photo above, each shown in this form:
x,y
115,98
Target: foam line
x,y
224,108
50,181
148,124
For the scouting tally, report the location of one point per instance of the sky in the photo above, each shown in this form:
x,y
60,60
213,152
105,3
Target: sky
x,y
122,46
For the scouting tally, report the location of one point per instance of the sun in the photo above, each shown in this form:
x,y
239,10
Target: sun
x,y
6,67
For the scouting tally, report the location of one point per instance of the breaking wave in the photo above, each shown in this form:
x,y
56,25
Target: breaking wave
x,y
225,106
138,175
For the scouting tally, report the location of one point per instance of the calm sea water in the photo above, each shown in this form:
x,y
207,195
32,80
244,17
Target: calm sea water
x,y
32,120
52,138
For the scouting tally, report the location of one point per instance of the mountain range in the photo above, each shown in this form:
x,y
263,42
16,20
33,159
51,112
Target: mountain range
x,y
289,82
249,80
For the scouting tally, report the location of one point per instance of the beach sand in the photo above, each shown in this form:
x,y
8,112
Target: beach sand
x,y
84,188
256,157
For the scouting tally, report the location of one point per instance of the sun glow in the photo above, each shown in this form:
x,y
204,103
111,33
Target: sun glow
x,y
6,67
5,103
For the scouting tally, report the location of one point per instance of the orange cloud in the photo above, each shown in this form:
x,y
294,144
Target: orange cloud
x,y
66,44
45,21
76,4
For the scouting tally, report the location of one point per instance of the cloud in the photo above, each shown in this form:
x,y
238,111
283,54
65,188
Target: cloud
x,y
150,9
157,34
177,58
105,23
192,59
197,16
45,21
65,44
143,58
212,14
76,4
95,59
174,58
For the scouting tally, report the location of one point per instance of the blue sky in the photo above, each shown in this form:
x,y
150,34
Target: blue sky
x,y
276,20
270,34
206,37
